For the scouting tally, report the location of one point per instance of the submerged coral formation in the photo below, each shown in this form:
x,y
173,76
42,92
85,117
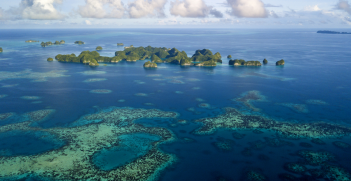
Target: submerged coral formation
x,y
295,167
224,144
73,160
251,96
35,76
316,102
95,80
341,144
299,108
101,91
3,95
5,116
30,97
233,119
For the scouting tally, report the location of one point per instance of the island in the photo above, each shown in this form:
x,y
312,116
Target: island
x,y
241,62
1,50
62,42
332,32
50,59
120,44
157,55
265,61
98,48
49,43
93,63
229,56
280,62
31,41
79,42
150,65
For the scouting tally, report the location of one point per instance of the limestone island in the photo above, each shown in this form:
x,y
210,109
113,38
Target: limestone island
x,y
280,62
79,42
84,139
265,61
31,41
241,62
332,32
98,48
150,65
1,50
120,44
229,56
50,59
49,43
157,55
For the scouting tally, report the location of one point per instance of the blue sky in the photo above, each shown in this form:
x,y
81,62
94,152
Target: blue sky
x,y
175,13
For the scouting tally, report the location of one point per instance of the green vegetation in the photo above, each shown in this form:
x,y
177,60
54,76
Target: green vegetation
x,y
150,65
98,48
156,59
186,62
229,56
280,62
49,43
206,55
241,62
265,61
57,43
62,42
120,44
93,63
50,59
237,62
1,50
31,41
210,63
79,42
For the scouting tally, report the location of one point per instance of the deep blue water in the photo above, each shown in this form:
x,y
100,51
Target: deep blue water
x,y
317,67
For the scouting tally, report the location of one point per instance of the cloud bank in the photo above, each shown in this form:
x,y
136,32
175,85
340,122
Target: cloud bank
x,y
96,9
193,9
144,8
248,8
344,5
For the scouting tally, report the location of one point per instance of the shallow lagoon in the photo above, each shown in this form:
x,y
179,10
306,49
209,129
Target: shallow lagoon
x,y
313,72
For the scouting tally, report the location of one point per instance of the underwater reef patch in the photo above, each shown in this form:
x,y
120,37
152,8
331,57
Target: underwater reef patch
x,y
316,102
73,160
5,116
101,91
251,96
12,85
34,76
30,97
3,96
233,119
224,144
92,72
95,80
341,145
299,108
141,94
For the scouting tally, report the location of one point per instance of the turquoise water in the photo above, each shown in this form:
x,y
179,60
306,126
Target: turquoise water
x,y
317,67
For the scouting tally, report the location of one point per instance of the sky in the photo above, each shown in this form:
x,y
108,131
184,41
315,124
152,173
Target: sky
x,y
175,14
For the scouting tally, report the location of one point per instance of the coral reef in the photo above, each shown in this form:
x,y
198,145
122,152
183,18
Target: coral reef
x,y
101,91
233,119
299,108
316,102
305,145
237,135
35,76
255,176
318,141
30,97
224,144
3,96
205,106
12,85
73,160
295,167
5,116
92,72
316,157
256,131
251,96
141,94
95,80
341,145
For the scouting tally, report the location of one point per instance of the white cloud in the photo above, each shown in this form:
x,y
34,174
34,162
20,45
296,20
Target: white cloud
x,y
312,8
143,8
344,5
193,9
248,8
98,9
34,10
87,22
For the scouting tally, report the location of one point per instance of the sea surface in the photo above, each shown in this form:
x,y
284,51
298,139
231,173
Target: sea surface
x,y
317,68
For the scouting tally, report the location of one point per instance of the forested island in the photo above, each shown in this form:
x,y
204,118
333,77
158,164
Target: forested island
x,y
157,55
1,50
332,32
241,62
79,42
49,43
31,41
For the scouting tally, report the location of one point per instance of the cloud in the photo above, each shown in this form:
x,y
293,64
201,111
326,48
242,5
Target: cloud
x,y
248,8
102,9
344,5
272,6
34,10
143,8
273,14
193,9
312,8
87,22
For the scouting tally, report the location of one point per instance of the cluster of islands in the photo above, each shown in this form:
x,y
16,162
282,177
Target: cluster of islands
x,y
332,32
49,43
156,56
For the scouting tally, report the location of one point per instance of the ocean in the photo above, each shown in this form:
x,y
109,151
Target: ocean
x,y
312,88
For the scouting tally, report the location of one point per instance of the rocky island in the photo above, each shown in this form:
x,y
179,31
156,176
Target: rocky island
x,y
265,61
150,65
332,32
31,41
1,50
79,42
120,44
49,43
241,62
50,59
280,62
98,48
